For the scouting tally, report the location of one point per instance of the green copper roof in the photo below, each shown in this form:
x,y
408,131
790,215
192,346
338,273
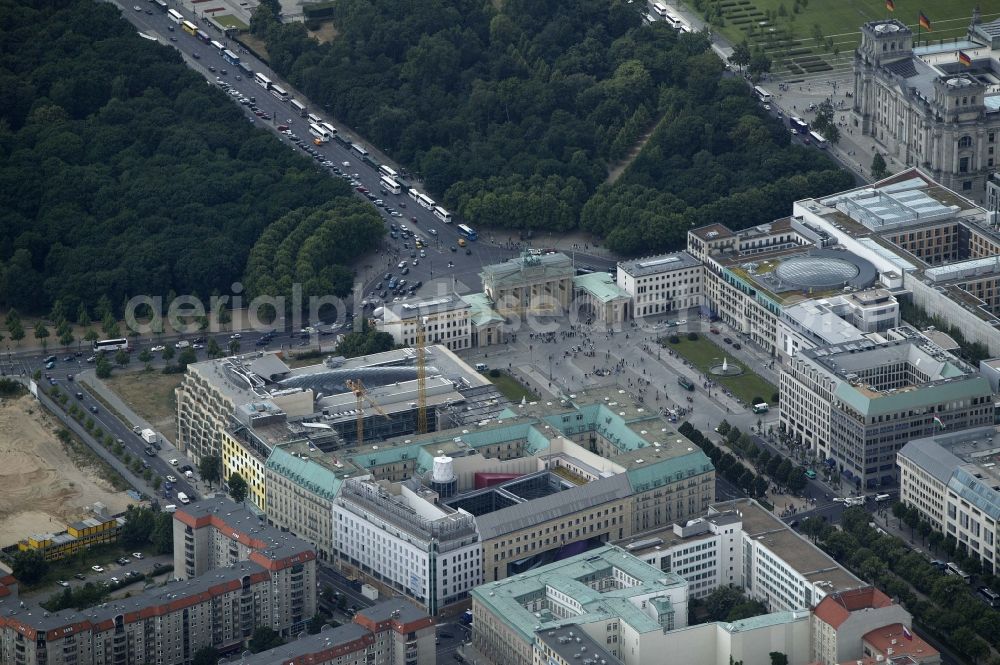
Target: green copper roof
x,y
877,404
482,309
601,285
305,472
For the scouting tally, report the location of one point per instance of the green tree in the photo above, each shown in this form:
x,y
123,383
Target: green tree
x,y
29,566
121,358
210,468
365,342
168,353
66,338
103,369
778,658
145,356
723,428
91,335
741,55
186,357
138,528
315,624
213,349
162,537
878,169
41,333
16,331
82,316
264,638
205,656
238,488
234,347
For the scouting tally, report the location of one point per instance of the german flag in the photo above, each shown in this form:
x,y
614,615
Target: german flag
x,y
890,5
964,59
925,22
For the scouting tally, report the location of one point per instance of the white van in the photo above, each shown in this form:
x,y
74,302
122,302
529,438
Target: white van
x,y
183,498
482,367
170,508
879,498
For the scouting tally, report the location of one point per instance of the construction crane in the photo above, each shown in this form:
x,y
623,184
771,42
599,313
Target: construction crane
x,y
361,395
421,379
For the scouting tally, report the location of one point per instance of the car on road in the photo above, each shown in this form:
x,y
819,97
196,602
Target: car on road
x,y
453,248
62,583
93,409
137,8
197,56
183,344
137,555
80,576
737,346
402,264
50,365
235,336
115,580
727,340
92,359
171,479
433,232
468,251
174,462
124,561
158,347
97,569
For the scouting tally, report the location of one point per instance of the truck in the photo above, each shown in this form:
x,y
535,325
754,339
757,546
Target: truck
x,y
183,498
148,435
685,383
369,592
467,617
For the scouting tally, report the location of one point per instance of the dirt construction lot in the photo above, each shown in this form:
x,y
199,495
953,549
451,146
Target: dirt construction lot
x,y
44,485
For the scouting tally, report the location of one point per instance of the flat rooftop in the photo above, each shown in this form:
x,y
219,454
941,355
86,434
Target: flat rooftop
x,y
272,542
411,308
966,461
661,263
570,641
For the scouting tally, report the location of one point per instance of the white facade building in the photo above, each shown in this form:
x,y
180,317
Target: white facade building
x,y
397,535
660,284
446,320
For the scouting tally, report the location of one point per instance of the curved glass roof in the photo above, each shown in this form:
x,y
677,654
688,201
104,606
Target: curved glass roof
x,y
334,381
816,271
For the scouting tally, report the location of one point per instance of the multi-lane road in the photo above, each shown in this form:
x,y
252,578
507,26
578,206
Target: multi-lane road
x,y
446,261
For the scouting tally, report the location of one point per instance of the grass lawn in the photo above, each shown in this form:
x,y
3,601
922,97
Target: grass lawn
x,y
230,21
703,353
151,395
511,389
790,38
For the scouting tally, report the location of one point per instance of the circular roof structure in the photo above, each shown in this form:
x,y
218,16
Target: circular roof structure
x,y
817,272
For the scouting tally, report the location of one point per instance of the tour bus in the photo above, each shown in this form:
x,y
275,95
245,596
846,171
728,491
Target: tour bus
x,y
279,93
217,46
189,28
991,597
300,107
659,10
331,131
763,95
262,81
161,5
313,118
388,172
799,125
245,68
818,139
390,185
230,57
203,37
319,132
175,16
106,345
358,148
442,214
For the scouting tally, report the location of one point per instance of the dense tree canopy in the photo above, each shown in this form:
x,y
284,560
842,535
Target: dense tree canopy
x,y
126,175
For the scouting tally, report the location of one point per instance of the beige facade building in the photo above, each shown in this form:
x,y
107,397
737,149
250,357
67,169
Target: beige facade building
x,y
921,105
446,320
532,284
661,284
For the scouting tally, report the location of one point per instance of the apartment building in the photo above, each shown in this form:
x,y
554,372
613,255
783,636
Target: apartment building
x,y
216,533
951,478
842,620
856,404
403,538
661,284
163,625
392,632
606,594
924,107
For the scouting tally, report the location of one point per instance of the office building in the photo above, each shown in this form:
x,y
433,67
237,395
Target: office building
x,y
661,284
263,402
606,594
401,536
532,284
217,533
739,543
856,404
926,108
952,479
392,632
446,320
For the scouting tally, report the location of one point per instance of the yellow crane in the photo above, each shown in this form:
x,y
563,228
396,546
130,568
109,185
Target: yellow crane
x,y
421,380
361,395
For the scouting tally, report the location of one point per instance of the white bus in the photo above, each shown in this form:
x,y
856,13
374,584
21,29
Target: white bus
x,y
442,214
763,95
358,148
318,132
425,201
388,172
217,46
175,16
953,569
391,185
818,139
106,345
279,93
313,118
300,107
660,10
262,81
331,131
